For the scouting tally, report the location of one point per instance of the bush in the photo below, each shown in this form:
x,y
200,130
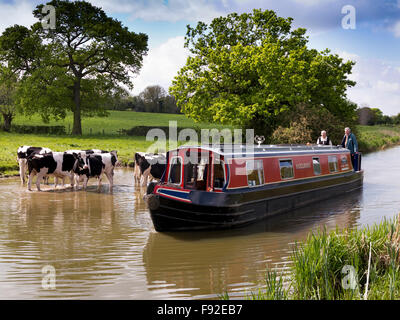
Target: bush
x,y
57,130
305,123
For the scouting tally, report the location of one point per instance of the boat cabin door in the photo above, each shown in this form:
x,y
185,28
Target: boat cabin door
x,y
197,170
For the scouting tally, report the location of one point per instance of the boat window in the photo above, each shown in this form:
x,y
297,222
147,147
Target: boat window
x,y
196,175
219,175
255,172
286,167
333,164
317,166
175,171
344,163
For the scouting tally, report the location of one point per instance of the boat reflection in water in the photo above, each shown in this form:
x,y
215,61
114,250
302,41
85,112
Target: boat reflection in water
x,y
206,264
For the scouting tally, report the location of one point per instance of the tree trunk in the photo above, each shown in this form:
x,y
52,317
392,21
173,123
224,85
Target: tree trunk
x,y
77,126
7,121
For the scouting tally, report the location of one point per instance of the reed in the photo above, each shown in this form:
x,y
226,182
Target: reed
x,y
320,266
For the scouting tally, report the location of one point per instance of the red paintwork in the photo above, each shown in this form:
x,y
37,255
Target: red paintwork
x,y
302,166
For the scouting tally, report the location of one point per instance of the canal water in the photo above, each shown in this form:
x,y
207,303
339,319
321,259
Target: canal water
x,y
95,245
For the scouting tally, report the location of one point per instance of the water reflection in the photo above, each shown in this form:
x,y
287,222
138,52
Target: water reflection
x,y
104,246
218,259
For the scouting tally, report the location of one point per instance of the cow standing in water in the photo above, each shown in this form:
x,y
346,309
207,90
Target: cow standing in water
x,y
58,164
95,164
82,153
149,166
23,153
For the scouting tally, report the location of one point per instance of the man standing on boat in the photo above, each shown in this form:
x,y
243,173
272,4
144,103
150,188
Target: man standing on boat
x,y
324,139
349,141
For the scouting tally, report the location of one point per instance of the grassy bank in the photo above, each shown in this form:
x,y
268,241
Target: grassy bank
x,y
341,265
126,146
374,138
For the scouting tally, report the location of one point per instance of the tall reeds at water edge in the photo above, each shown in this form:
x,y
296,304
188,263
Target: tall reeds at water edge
x,y
341,265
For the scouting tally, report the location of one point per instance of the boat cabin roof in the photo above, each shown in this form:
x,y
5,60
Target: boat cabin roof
x,y
267,150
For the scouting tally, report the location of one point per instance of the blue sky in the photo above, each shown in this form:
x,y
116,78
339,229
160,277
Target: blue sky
x,y
374,44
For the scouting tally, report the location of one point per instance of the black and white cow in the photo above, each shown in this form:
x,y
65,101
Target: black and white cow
x,y
149,166
58,164
95,164
23,153
82,153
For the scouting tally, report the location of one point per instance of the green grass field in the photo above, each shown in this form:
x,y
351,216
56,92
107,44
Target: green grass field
x,y
115,121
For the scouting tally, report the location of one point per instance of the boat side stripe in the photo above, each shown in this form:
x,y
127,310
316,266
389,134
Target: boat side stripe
x,y
174,194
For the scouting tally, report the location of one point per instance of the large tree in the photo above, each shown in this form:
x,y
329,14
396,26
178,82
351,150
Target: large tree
x,y
8,91
248,69
78,65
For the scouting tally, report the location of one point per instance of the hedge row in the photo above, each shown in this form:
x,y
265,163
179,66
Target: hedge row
x,y
38,129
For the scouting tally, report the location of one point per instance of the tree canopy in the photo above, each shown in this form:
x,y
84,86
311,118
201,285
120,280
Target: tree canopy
x,y
78,65
249,69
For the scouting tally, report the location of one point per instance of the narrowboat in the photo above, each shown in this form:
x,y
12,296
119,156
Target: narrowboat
x,y
218,187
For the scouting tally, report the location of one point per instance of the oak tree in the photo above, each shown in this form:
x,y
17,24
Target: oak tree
x,y
249,69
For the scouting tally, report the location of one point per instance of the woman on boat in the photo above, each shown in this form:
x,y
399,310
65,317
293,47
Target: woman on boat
x,y
324,139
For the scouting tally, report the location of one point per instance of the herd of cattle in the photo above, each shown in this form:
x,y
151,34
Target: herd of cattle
x,y
81,165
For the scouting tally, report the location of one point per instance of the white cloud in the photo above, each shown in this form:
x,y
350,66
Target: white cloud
x,y
171,10
396,29
161,65
18,12
378,83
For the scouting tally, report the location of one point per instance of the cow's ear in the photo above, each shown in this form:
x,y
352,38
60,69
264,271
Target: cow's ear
x,y
75,155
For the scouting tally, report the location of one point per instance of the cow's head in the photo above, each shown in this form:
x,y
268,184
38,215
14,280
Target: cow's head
x,y
80,166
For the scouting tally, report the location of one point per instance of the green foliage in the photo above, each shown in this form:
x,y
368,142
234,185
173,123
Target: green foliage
x,y
78,66
246,70
317,266
304,124
8,92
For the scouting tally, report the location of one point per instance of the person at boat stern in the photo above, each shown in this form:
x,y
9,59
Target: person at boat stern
x,y
349,141
324,139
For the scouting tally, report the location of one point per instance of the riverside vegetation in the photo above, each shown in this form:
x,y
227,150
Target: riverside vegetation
x,y
321,266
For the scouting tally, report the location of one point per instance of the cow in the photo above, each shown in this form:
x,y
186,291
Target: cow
x,y
95,164
23,153
82,153
149,165
58,164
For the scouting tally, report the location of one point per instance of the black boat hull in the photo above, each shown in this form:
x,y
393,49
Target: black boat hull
x,y
236,208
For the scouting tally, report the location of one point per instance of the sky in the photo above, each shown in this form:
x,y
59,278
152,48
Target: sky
x,y
365,31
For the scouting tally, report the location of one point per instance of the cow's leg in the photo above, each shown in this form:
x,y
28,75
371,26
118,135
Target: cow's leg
x,y
99,184
76,181
85,182
145,176
22,170
40,176
72,179
31,175
110,179
137,174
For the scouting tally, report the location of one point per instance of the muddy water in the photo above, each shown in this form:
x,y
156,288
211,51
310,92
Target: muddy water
x,y
103,246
